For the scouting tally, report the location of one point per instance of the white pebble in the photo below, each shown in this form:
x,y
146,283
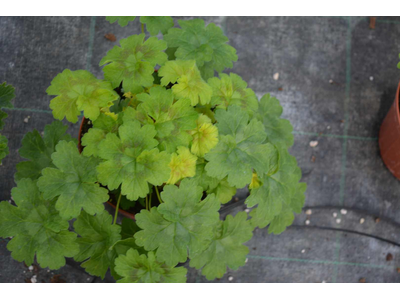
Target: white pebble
x,y
334,215
308,212
371,78
313,144
247,210
338,221
88,279
323,281
362,220
276,76
9,201
30,268
34,279
330,81
343,211
328,127
230,278
303,251
307,222
48,271
246,260
26,120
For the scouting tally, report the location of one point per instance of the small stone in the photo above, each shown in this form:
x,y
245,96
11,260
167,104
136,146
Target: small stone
x,y
377,220
88,279
313,158
26,120
48,271
276,76
338,221
362,280
34,279
307,222
247,210
30,268
330,81
308,212
9,201
246,260
334,215
230,278
313,144
328,127
111,37
371,78
303,251
389,257
343,211
362,220
323,281
236,199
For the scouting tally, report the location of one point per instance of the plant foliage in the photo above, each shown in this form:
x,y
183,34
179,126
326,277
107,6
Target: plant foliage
x,y
164,138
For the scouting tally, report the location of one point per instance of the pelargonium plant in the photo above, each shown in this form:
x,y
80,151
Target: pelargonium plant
x,y
165,139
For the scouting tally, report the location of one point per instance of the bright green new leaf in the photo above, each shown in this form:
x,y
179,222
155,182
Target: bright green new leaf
x,y
132,160
171,120
7,93
232,90
240,149
156,24
205,136
3,147
91,140
97,236
133,63
79,91
227,249
187,80
122,21
38,150
136,268
182,165
36,228
279,131
182,224
74,181
206,45
279,196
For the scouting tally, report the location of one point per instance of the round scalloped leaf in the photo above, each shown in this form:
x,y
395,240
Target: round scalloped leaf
x,y
122,21
156,24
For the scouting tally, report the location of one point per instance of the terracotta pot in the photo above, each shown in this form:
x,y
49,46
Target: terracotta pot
x,y
121,211
389,138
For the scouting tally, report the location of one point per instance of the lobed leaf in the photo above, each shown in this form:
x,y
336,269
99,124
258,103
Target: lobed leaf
x,y
122,21
183,164
3,147
205,136
156,24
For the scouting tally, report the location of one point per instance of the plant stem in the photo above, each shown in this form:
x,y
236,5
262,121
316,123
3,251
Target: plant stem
x,y
158,194
147,202
150,202
116,208
142,28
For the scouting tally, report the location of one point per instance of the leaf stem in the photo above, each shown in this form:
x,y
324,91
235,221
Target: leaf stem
x,y
142,27
158,194
147,202
117,208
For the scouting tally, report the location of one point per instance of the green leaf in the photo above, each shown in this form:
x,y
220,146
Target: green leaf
x,y
182,165
36,228
133,63
146,269
38,150
122,21
227,249
205,136
182,224
3,147
7,93
79,91
132,160
97,236
240,149
187,81
223,192
206,45
156,24
91,140
279,131
171,120
74,181
279,196
232,90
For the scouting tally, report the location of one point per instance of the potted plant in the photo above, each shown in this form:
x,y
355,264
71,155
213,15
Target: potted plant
x,y
389,136
167,141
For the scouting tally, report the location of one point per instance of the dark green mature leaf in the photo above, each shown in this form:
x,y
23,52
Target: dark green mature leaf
x,y
133,63
132,161
7,93
97,236
74,181
206,45
38,150
134,268
3,147
79,91
279,131
171,120
279,196
182,224
227,249
122,21
36,227
241,149
156,24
